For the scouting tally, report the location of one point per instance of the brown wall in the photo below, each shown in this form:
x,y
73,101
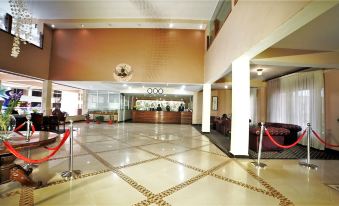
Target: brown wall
x,y
31,61
156,55
224,102
331,106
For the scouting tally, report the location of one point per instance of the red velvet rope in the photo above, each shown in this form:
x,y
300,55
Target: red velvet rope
x,y
20,156
285,146
322,141
18,128
33,128
63,140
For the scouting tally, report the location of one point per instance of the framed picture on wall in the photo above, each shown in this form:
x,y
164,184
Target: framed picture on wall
x,y
214,103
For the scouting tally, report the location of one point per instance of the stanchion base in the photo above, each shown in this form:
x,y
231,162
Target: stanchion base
x,y
29,166
311,166
70,174
260,165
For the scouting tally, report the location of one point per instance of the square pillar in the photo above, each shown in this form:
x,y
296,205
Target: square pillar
x,y
84,102
240,106
206,108
47,97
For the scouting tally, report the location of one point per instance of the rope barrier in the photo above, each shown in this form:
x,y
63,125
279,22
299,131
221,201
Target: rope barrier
x,y
322,141
16,130
284,146
20,156
19,127
63,140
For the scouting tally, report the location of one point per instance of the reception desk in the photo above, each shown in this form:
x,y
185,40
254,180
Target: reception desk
x,y
162,117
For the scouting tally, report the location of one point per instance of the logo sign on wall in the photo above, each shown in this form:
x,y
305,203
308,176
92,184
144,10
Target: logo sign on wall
x,y
155,91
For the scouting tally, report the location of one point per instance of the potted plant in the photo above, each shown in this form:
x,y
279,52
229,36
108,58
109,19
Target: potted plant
x,y
110,121
99,119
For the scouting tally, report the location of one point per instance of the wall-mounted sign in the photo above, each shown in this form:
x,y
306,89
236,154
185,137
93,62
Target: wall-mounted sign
x,y
155,91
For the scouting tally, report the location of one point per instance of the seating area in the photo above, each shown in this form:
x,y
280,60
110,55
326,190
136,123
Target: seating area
x,y
284,134
43,123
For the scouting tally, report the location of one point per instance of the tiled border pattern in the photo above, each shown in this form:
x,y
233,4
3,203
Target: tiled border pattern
x,y
27,197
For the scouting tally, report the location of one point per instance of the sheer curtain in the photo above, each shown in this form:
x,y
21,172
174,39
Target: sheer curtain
x,y
298,99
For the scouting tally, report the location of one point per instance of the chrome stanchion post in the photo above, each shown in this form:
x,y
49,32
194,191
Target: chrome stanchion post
x,y
308,160
28,124
70,174
28,166
258,164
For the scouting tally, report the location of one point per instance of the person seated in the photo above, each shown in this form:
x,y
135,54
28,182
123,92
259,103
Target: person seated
x,y
168,108
159,108
57,112
181,108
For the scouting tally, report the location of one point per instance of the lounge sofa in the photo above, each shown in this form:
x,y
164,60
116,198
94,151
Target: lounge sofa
x,y
294,129
279,135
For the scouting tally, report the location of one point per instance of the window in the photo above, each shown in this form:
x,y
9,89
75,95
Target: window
x,y
37,93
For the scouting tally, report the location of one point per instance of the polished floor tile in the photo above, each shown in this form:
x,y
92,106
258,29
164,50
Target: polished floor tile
x,y
159,175
104,189
164,148
212,191
201,160
125,156
127,164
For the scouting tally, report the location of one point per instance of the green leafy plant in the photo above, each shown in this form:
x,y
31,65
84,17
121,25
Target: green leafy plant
x,y
99,118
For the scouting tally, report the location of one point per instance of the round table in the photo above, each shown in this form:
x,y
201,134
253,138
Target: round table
x,y
13,172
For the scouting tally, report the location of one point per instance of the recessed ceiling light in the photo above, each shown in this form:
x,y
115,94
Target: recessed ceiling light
x,y
259,72
183,87
53,26
226,86
82,26
125,85
171,25
201,26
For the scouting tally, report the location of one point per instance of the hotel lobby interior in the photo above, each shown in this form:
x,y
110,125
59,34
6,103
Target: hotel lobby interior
x,y
169,102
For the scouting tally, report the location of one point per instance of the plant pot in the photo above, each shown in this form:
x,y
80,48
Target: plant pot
x,y
110,121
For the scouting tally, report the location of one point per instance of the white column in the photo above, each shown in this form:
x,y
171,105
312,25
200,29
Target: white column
x,y
206,108
84,102
47,97
240,106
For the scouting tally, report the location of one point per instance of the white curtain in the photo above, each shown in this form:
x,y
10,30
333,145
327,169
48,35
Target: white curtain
x,y
298,99
253,105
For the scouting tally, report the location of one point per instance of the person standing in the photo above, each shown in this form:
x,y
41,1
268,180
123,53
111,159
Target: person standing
x,y
181,108
159,108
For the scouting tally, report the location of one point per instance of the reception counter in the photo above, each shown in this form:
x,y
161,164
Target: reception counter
x,y
162,117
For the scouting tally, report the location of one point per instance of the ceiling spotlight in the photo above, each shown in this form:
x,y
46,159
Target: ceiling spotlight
x,y
125,85
53,26
183,87
171,25
201,26
259,72
226,86
82,26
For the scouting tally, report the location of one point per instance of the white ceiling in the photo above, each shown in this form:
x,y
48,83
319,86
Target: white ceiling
x,y
118,9
321,34
120,87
